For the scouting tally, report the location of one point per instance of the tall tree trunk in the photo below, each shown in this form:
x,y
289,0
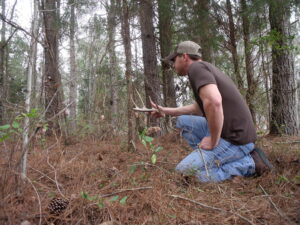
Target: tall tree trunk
x,y
205,29
152,83
165,37
233,47
113,63
31,69
127,48
90,77
53,88
2,60
73,72
284,117
250,95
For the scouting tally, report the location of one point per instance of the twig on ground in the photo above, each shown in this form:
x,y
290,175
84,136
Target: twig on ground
x,y
287,142
124,190
205,165
274,205
39,200
212,207
55,175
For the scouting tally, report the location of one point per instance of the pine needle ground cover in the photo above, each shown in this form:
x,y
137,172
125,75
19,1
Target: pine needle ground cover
x,y
99,182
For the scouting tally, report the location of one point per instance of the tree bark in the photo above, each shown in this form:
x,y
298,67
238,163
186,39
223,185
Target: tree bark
x,y
248,60
284,116
205,29
73,72
152,83
112,63
2,60
31,69
233,47
165,37
53,88
128,73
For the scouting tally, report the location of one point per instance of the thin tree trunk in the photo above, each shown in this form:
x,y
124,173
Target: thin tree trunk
x,y
248,60
112,63
205,29
129,72
53,88
152,83
284,116
165,37
31,69
2,60
90,80
233,47
73,72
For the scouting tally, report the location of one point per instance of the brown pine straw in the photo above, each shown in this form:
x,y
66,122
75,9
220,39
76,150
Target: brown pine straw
x,y
212,207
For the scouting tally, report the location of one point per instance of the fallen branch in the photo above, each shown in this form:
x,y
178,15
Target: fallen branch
x,y
274,205
212,207
124,190
39,200
288,142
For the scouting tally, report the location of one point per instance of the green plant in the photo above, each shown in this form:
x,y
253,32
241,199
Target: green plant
x,y
100,202
147,142
7,130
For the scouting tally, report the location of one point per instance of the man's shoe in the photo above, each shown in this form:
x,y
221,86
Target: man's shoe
x,y
262,164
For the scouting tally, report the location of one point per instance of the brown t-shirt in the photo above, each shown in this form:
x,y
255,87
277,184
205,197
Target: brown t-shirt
x,y
238,127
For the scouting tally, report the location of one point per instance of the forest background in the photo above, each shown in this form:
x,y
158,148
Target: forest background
x,y
71,70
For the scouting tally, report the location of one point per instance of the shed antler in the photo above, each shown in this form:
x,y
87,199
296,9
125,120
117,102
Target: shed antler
x,y
143,109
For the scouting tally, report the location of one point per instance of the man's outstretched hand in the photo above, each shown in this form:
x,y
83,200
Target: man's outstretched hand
x,y
160,110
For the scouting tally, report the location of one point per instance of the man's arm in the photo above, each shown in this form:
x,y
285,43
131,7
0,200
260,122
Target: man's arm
x,y
212,104
192,109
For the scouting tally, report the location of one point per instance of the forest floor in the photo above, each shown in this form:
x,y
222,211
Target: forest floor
x,y
105,184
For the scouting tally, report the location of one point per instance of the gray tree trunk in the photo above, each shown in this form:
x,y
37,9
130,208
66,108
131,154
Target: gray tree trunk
x,y
129,72
250,95
31,69
73,72
205,29
2,60
233,47
152,82
165,37
53,88
113,64
284,116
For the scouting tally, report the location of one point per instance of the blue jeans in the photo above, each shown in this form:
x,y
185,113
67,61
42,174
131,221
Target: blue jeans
x,y
221,163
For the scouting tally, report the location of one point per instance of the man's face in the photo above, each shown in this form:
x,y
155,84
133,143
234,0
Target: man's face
x,y
180,65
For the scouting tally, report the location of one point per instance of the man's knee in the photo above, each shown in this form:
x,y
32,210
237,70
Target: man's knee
x,y
181,121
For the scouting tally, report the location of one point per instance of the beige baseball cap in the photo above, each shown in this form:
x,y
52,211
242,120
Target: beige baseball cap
x,y
188,47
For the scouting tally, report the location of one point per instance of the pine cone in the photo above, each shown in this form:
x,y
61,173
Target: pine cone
x,y
57,205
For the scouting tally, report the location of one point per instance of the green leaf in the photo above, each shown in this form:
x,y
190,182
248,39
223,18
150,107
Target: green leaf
x,y
123,200
5,127
100,204
158,149
114,198
15,125
84,195
87,197
144,142
148,139
132,169
153,159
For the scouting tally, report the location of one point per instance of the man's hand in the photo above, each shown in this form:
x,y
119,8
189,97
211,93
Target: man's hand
x,y
207,144
160,110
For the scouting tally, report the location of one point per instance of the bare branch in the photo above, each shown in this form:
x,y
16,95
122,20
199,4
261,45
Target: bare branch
x,y
18,27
